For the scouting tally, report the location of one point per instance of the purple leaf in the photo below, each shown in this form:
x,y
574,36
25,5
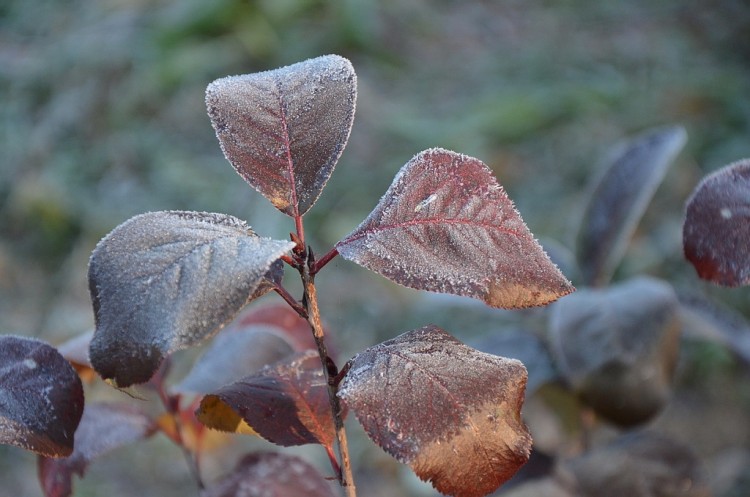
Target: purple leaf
x,y
286,403
450,412
41,397
284,130
618,347
717,226
446,225
635,170
104,427
271,475
164,281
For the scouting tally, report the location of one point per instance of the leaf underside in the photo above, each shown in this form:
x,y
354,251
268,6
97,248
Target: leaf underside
x,y
164,281
446,225
620,198
717,226
450,412
285,403
41,397
284,130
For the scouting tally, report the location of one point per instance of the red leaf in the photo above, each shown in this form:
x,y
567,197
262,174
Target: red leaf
x,y
104,427
717,226
272,475
620,198
164,281
41,397
286,403
449,411
258,337
284,130
446,225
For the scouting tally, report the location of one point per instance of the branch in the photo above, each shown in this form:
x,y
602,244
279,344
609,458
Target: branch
x,y
310,301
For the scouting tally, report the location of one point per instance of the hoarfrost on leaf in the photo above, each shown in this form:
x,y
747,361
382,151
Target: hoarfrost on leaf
x,y
450,412
41,397
717,226
284,130
164,281
446,225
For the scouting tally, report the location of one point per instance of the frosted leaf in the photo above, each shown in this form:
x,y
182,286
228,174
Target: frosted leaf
x,y
284,130
618,347
450,412
286,403
634,171
717,226
104,427
164,281
446,225
41,397
265,474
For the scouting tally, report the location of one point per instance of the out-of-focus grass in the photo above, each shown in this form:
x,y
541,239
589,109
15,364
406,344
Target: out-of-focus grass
x,y
102,117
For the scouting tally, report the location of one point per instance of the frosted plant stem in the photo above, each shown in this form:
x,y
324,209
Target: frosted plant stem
x,y
346,478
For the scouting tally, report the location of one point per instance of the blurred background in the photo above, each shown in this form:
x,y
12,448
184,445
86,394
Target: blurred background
x,y
102,117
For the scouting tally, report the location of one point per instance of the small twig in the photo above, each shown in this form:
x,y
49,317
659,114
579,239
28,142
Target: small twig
x,y
318,265
289,260
289,299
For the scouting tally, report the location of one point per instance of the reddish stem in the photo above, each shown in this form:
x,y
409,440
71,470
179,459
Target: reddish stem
x,y
323,261
300,230
289,299
289,260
